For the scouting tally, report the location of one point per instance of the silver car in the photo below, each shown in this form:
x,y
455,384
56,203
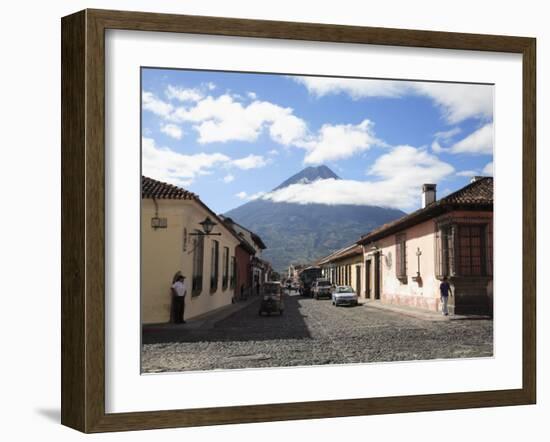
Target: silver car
x,y
344,295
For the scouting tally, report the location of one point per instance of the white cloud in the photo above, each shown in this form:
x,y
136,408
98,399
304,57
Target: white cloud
x,y
489,169
164,164
444,136
456,101
287,129
273,152
153,104
228,178
467,173
407,163
334,142
478,142
355,88
459,101
252,95
210,86
250,162
223,119
448,134
400,173
183,94
172,130
436,147
245,196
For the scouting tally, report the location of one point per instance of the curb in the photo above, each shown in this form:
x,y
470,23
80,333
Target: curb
x,y
419,314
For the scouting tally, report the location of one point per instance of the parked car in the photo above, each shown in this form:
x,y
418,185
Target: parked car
x,y
272,299
344,295
322,288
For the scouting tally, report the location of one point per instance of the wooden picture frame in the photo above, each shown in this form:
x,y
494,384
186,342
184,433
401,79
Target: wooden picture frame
x,y
83,220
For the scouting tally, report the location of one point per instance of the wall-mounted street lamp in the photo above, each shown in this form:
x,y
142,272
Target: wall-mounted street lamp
x,y
156,221
207,226
418,278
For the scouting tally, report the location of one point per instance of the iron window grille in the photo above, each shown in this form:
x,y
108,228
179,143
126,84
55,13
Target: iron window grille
x,y
401,257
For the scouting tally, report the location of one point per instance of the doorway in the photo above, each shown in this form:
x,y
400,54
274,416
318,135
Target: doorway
x,y
358,280
377,279
368,282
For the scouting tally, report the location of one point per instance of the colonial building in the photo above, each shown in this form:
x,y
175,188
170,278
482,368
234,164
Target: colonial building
x,y
251,269
173,239
344,267
405,260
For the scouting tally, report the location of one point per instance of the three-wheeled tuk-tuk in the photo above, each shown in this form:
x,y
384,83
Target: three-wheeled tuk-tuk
x,y
272,299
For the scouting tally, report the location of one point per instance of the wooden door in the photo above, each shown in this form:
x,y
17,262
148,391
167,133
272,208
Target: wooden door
x,y
377,278
368,278
358,280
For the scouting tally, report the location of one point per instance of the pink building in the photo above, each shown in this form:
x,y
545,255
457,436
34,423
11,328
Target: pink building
x,y
405,260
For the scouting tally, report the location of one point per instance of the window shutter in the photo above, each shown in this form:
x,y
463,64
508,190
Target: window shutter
x,y
401,258
451,251
438,254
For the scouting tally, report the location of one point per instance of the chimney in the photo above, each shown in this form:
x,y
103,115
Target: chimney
x,y
475,178
428,194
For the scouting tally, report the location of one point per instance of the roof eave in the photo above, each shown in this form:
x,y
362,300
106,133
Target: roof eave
x,y
429,213
247,247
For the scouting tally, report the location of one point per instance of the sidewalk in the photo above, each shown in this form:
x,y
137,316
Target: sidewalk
x,y
419,313
205,321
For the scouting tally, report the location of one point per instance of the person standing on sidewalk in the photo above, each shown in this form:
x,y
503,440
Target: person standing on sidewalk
x,y
445,291
179,290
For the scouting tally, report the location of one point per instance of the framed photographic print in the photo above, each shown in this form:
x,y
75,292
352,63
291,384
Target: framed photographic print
x,y
267,221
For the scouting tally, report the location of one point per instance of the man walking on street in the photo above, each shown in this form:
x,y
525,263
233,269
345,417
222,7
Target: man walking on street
x,y
179,290
445,291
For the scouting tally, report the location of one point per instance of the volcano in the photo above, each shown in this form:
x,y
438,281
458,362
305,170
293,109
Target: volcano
x,y
302,233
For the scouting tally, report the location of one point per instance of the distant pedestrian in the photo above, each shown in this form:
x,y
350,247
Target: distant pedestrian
x,y
445,291
179,291
243,295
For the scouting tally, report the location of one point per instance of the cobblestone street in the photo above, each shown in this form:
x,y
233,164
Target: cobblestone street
x,y
313,332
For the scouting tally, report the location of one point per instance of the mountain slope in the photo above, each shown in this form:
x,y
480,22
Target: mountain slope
x,y
296,233
308,175
301,233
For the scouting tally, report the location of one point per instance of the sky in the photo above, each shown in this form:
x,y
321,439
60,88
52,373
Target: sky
x,y
233,137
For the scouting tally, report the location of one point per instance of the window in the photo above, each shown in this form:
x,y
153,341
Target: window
x,y
225,269
444,251
470,260
198,264
489,246
214,266
401,257
233,277
464,250
184,239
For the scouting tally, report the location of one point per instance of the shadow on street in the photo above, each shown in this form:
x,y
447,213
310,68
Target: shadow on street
x,y
243,325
